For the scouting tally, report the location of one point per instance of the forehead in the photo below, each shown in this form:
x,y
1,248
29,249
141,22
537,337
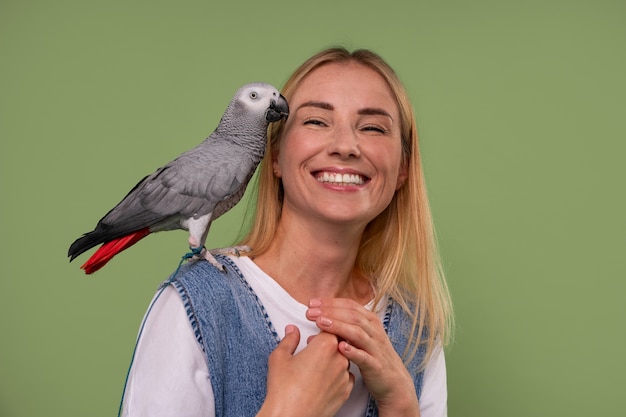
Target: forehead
x,y
347,85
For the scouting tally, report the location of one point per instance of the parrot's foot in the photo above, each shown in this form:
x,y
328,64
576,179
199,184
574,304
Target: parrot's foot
x,y
208,256
201,253
231,251
198,254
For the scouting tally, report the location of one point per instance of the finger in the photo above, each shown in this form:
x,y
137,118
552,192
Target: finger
x,y
290,342
334,303
354,323
342,309
354,355
308,339
328,343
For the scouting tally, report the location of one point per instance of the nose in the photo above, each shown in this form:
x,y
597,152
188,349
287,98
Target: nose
x,y
344,143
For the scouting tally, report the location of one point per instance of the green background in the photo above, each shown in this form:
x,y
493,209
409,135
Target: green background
x,y
521,110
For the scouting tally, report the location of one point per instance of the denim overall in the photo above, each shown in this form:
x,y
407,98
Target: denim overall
x,y
237,336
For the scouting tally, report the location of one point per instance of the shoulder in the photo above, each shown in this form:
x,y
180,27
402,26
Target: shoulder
x,y
202,274
201,269
206,290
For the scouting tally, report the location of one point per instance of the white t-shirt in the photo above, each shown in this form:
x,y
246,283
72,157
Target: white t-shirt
x,y
170,377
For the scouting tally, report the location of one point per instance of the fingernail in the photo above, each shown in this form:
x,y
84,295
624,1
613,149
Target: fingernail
x,y
315,312
326,322
315,302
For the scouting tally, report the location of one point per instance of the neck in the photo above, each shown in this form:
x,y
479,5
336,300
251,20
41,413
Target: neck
x,y
310,261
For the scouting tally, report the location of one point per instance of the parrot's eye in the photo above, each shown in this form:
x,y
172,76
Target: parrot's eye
x,y
253,95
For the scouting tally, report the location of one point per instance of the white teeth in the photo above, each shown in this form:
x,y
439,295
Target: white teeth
x,y
343,179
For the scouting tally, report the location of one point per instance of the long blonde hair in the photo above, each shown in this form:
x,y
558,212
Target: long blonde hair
x,y
398,250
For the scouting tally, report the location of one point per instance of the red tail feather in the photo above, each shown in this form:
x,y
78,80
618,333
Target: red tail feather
x,y
108,250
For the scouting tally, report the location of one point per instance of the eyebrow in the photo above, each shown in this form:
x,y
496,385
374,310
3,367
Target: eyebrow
x,y
374,111
319,104
367,111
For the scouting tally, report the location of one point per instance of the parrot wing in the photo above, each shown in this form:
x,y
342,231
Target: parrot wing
x,y
196,182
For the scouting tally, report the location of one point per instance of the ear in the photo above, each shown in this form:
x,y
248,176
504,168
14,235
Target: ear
x,y
276,165
403,174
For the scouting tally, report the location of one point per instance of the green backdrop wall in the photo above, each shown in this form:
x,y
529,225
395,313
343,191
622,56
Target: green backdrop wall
x,y
521,109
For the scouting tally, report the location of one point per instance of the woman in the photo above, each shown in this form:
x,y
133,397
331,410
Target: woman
x,y
340,307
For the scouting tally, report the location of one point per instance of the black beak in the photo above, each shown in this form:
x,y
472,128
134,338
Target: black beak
x,y
278,109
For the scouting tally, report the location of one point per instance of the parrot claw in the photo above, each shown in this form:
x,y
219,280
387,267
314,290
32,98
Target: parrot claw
x,y
208,255
198,254
210,259
231,251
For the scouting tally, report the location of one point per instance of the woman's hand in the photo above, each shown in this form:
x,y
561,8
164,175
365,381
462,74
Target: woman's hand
x,y
313,382
365,343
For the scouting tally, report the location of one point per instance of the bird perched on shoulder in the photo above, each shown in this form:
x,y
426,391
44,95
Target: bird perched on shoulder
x,y
194,189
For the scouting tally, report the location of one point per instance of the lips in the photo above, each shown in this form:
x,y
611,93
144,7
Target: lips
x,y
340,178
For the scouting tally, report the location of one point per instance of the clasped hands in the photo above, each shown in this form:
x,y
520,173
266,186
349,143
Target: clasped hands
x,y
316,381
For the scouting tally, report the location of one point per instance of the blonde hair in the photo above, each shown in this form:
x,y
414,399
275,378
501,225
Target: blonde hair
x,y
398,250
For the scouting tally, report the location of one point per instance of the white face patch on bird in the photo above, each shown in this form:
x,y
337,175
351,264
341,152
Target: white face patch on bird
x,y
260,98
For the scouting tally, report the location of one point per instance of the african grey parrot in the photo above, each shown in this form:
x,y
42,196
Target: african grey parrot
x,y
195,188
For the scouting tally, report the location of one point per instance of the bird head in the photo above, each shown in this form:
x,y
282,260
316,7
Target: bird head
x,y
261,98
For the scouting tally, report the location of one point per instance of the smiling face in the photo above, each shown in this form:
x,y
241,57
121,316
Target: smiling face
x,y
340,156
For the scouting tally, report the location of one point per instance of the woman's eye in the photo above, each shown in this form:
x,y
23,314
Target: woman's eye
x,y
315,122
373,128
